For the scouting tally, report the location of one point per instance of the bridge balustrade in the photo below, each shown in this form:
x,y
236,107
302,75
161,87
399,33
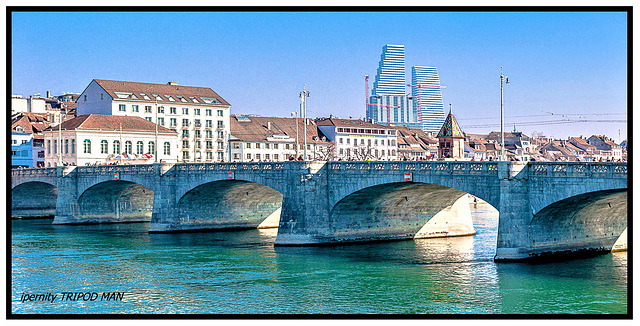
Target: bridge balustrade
x,y
485,168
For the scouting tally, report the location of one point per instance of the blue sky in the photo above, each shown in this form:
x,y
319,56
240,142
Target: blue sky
x,y
572,64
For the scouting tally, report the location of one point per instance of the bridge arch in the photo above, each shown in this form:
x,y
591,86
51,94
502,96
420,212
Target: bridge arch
x,y
229,204
33,199
114,201
401,210
591,221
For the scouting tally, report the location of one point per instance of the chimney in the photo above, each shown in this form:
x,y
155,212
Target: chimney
x,y
269,125
172,83
48,94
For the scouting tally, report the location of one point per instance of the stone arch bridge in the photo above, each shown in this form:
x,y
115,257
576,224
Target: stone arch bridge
x,y
545,207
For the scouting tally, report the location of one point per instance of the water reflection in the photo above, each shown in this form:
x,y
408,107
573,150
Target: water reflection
x,y
242,272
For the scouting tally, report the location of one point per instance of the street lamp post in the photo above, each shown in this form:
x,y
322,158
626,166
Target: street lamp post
x,y
506,78
303,95
155,144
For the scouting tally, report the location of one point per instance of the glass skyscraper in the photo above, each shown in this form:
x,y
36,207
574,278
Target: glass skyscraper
x,y
390,103
432,108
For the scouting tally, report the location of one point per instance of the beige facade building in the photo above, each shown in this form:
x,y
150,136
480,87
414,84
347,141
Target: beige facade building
x,y
198,115
273,139
95,139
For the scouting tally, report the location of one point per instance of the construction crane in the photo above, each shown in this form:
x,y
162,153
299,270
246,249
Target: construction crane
x,y
366,95
420,96
388,110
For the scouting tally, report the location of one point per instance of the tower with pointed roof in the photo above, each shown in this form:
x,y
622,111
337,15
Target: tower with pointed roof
x,y
450,138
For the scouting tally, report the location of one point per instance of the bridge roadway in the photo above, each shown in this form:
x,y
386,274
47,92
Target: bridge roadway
x,y
546,208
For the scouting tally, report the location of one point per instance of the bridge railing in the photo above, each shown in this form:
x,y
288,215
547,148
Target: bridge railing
x,y
481,168
43,172
229,167
136,169
578,169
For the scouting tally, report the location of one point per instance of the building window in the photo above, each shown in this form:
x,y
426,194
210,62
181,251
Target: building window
x,y
73,146
339,140
258,156
185,122
382,142
55,146
393,143
207,112
147,109
275,157
161,121
128,147
197,144
185,144
66,146
257,145
248,156
185,111
116,147
220,124
220,113
197,123
275,146
161,109
152,147
167,148
220,145
185,133
209,155
348,141
85,98
104,146
208,124
139,147
87,146
248,145
267,156
209,144
197,133
173,111
149,119
134,108
196,111
48,147
208,133
185,155
101,96
122,108
173,122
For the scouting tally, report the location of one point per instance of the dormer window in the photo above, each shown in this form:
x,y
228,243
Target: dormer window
x,y
19,129
170,98
210,100
125,95
158,98
193,99
145,96
182,99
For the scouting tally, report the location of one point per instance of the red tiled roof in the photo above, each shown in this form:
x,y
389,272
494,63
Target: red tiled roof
x,y
110,122
112,86
338,122
255,129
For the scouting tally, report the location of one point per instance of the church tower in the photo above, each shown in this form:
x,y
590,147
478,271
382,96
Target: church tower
x,y
450,138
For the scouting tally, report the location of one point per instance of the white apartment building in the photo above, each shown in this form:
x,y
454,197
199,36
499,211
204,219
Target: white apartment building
x,y
103,139
272,139
360,140
198,114
33,103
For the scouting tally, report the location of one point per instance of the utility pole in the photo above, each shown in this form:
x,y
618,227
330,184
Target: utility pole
x,y
295,115
502,114
303,95
60,138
